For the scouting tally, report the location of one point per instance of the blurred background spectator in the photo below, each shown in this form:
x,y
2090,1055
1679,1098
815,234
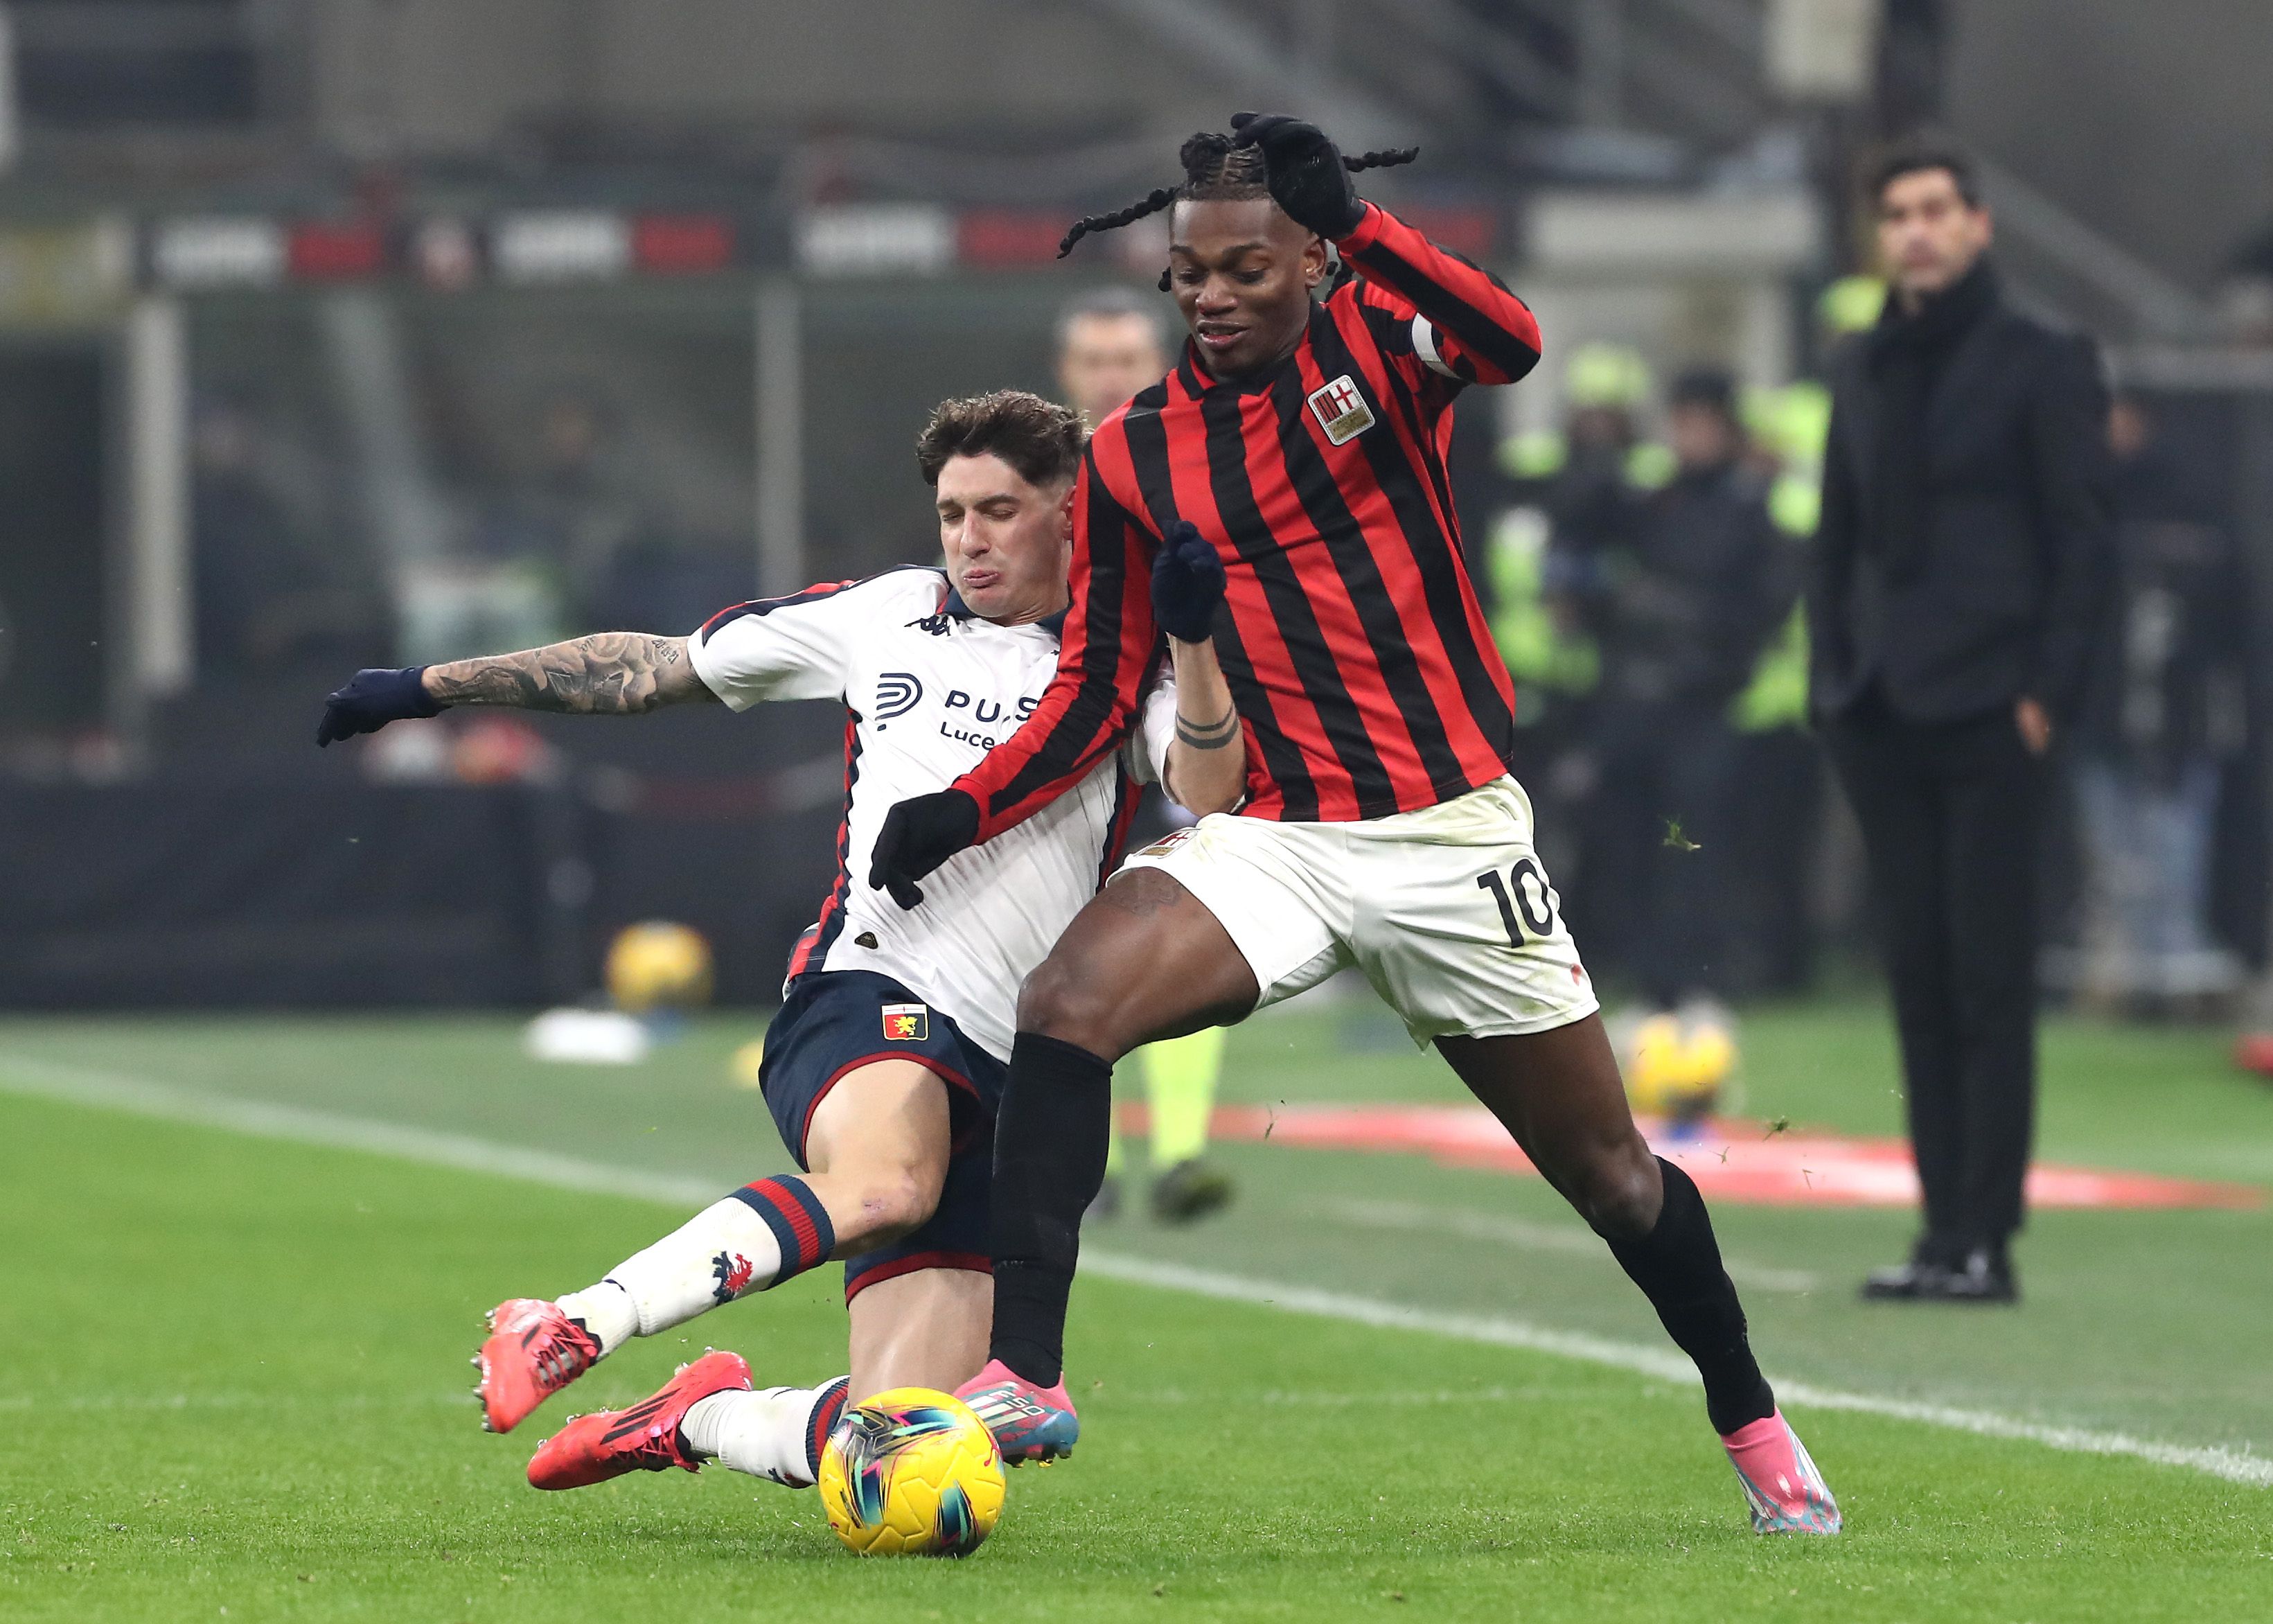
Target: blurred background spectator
x,y
2164,722
1681,589
275,603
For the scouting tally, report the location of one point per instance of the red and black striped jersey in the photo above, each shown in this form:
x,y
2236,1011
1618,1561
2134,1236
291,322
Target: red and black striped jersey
x,y
1366,679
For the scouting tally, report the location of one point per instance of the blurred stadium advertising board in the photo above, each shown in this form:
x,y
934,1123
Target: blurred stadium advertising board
x,y
1747,1162
530,247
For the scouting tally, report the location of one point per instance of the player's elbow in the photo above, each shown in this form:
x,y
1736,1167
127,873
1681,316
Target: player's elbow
x,y
1204,791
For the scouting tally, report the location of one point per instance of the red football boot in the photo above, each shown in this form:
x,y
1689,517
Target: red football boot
x,y
645,1438
533,1351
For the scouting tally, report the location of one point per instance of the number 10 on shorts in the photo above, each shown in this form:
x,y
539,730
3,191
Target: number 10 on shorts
x,y
1527,902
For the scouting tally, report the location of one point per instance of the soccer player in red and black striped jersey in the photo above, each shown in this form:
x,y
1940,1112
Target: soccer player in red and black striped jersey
x,y
1303,438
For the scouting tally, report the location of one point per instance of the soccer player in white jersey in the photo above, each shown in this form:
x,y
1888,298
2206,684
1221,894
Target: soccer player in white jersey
x,y
885,1064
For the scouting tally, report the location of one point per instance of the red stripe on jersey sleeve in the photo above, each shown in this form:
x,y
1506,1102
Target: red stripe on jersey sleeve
x,y
1476,320
767,606
1091,705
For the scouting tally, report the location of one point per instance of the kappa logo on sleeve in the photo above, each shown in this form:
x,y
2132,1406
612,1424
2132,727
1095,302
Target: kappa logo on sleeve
x,y
907,1023
1342,411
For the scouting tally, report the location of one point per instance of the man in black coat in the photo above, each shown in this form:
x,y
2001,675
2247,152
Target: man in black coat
x,y
1690,592
1957,585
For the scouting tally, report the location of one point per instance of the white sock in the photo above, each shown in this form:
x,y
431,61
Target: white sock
x,y
606,1311
715,1256
712,1259
775,1432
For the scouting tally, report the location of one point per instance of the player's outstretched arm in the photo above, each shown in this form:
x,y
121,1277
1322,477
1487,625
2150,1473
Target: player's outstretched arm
x,y
609,673
1206,767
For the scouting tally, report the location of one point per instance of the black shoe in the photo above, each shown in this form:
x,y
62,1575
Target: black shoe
x,y
1107,1204
1189,1191
1986,1276
1918,1280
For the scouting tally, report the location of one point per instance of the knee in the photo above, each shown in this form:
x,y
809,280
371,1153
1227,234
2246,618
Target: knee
x,y
1618,1189
895,1202
1064,1000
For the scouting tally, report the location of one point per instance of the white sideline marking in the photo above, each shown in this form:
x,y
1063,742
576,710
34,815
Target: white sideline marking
x,y
1497,1230
2232,1465
75,1086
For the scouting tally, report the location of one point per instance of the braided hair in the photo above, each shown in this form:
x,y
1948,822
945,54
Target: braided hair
x,y
1215,169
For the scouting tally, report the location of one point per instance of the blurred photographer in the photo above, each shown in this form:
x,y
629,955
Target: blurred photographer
x,y
2165,714
1681,612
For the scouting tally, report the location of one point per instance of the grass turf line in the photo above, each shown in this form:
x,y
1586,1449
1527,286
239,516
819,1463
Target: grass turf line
x,y
249,1357
2153,1324
272,1120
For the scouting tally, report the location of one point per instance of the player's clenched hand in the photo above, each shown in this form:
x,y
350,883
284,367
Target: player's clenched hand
x,y
1304,170
372,699
1187,584
919,834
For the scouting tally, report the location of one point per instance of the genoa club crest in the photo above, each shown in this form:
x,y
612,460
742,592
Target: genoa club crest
x,y
907,1023
1342,411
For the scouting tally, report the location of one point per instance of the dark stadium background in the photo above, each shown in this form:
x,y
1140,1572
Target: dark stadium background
x,y
304,310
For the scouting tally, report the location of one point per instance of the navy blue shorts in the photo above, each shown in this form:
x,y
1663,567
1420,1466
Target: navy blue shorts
x,y
832,1022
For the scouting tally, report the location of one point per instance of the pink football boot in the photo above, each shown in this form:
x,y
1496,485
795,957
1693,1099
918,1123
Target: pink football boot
x,y
1029,1423
1787,1494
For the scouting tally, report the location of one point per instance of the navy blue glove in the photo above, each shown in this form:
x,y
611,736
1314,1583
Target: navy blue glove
x,y
919,834
372,699
1304,171
1187,584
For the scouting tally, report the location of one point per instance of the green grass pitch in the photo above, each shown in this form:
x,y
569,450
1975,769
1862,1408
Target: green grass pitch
x,y
233,1377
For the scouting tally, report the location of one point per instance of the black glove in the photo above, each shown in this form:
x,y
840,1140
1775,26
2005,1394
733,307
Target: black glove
x,y
1304,171
372,699
919,834
1187,584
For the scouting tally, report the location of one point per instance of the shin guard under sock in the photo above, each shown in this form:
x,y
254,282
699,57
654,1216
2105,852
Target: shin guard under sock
x,y
1677,1266
766,1232
1050,1142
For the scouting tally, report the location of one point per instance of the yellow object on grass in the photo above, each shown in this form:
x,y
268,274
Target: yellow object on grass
x,y
659,964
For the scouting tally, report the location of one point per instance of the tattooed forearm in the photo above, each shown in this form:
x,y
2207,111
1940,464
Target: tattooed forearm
x,y
1207,762
1208,735
610,673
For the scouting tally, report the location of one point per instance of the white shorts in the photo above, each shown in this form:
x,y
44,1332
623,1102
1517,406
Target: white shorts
x,y
1446,910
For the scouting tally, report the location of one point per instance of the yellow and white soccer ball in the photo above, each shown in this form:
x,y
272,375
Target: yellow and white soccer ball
x,y
1679,1066
912,1472
657,966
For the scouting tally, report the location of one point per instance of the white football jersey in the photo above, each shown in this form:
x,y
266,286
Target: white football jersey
x,y
930,688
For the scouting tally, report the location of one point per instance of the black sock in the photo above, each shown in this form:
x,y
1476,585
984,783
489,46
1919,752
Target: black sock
x,y
1050,1143
1677,1266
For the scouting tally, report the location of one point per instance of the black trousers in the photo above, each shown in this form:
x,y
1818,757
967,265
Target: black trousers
x,y
1660,844
1949,814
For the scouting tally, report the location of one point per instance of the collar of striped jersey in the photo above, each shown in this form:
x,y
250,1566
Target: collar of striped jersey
x,y
1197,381
956,609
